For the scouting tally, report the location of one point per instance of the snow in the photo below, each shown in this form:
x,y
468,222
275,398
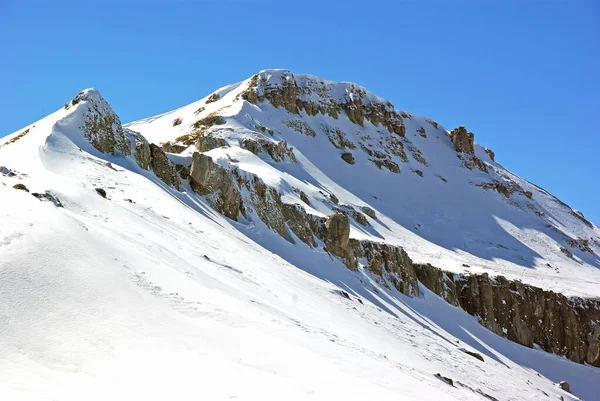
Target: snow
x,y
163,298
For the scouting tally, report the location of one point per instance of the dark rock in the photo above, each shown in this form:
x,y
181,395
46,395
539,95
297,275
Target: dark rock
x,y
474,355
564,386
101,192
444,378
201,167
529,194
490,153
348,158
20,187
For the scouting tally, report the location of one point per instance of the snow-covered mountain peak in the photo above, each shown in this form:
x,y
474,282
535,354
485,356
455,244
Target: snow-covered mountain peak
x,y
334,236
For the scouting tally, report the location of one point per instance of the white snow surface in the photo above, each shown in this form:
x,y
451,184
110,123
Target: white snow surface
x,y
152,295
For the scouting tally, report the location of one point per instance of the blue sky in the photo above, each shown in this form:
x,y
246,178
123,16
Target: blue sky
x,y
524,75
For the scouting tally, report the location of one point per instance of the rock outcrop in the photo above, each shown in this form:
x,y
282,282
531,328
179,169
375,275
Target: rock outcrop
x,y
208,178
567,326
337,239
162,166
314,96
390,262
463,141
101,126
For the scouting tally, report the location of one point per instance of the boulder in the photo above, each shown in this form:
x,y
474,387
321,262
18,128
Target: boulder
x,y
348,158
201,167
101,192
20,187
337,238
565,386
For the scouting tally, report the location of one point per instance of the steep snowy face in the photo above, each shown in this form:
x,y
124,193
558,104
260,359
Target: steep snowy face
x,y
435,192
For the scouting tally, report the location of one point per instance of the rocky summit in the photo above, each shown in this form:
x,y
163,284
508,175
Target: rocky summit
x,y
294,234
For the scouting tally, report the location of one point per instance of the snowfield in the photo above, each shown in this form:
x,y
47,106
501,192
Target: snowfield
x,y
150,294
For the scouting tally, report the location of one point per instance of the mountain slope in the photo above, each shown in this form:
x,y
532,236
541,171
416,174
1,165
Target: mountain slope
x,y
150,293
435,208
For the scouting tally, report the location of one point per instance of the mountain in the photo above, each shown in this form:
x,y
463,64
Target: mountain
x,y
285,235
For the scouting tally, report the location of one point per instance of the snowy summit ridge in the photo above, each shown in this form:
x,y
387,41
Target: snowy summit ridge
x,y
286,235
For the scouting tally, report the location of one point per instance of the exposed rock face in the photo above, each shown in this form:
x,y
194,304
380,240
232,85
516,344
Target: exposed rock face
x,y
337,239
472,162
522,313
278,151
201,168
300,93
490,153
463,141
207,141
207,178
102,126
140,148
504,188
173,148
390,262
302,224
162,166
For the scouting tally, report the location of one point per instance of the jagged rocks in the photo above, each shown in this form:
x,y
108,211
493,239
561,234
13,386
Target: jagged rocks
x,y
316,96
302,224
337,239
528,194
207,178
504,188
490,153
304,198
463,141
140,148
101,126
173,147
278,151
391,262
524,314
162,166
207,141
348,158
472,162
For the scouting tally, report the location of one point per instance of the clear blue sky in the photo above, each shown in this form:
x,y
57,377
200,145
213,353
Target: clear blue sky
x,y
524,75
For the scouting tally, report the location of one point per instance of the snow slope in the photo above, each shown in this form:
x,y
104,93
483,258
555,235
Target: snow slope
x,y
442,217
151,294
